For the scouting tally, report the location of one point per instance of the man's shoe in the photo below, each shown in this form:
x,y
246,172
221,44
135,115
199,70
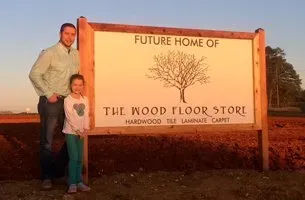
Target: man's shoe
x,y
46,184
82,187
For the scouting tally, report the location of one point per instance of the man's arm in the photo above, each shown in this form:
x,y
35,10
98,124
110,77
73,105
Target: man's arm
x,y
38,70
77,62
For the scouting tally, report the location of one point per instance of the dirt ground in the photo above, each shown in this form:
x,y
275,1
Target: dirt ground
x,y
208,185
203,166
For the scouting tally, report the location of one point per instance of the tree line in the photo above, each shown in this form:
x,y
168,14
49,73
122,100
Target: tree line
x,y
283,81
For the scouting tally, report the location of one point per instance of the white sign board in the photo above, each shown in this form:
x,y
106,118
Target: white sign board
x,y
152,80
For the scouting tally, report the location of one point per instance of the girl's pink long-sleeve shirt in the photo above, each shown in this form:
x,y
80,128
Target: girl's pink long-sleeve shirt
x,y
77,114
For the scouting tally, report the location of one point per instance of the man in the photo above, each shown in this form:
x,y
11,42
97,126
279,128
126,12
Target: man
x,y
50,76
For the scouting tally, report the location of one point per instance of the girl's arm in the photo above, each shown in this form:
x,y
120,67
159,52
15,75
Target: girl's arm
x,y
68,107
87,120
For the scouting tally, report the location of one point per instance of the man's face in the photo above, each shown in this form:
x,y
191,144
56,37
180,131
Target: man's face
x,y
67,37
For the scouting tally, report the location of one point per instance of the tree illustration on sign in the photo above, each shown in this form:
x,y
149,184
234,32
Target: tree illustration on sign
x,y
180,70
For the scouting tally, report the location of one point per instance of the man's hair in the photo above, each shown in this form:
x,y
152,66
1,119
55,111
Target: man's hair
x,y
63,26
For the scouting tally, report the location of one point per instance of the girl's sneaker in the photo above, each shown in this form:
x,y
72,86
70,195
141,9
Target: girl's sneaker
x,y
72,188
82,187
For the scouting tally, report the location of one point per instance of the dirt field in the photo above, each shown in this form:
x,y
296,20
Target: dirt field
x,y
205,166
209,185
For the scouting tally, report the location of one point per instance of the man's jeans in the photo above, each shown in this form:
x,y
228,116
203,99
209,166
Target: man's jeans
x,y
51,115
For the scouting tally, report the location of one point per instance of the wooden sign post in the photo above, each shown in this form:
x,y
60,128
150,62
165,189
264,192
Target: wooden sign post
x,y
161,80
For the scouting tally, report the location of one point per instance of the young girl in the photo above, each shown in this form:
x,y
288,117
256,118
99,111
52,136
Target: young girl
x,y
75,127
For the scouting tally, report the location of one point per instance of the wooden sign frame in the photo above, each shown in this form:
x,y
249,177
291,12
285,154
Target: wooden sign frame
x,y
85,45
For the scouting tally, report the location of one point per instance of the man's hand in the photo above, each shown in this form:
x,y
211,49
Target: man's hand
x,y
53,98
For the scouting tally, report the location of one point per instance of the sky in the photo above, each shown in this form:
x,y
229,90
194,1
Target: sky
x,y
29,26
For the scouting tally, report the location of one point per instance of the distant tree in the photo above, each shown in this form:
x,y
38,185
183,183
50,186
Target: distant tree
x,y
283,82
6,112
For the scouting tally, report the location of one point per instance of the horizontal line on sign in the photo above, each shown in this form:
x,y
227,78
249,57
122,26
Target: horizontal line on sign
x,y
170,31
152,130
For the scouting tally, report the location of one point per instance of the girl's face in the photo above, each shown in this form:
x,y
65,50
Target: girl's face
x,y
77,86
